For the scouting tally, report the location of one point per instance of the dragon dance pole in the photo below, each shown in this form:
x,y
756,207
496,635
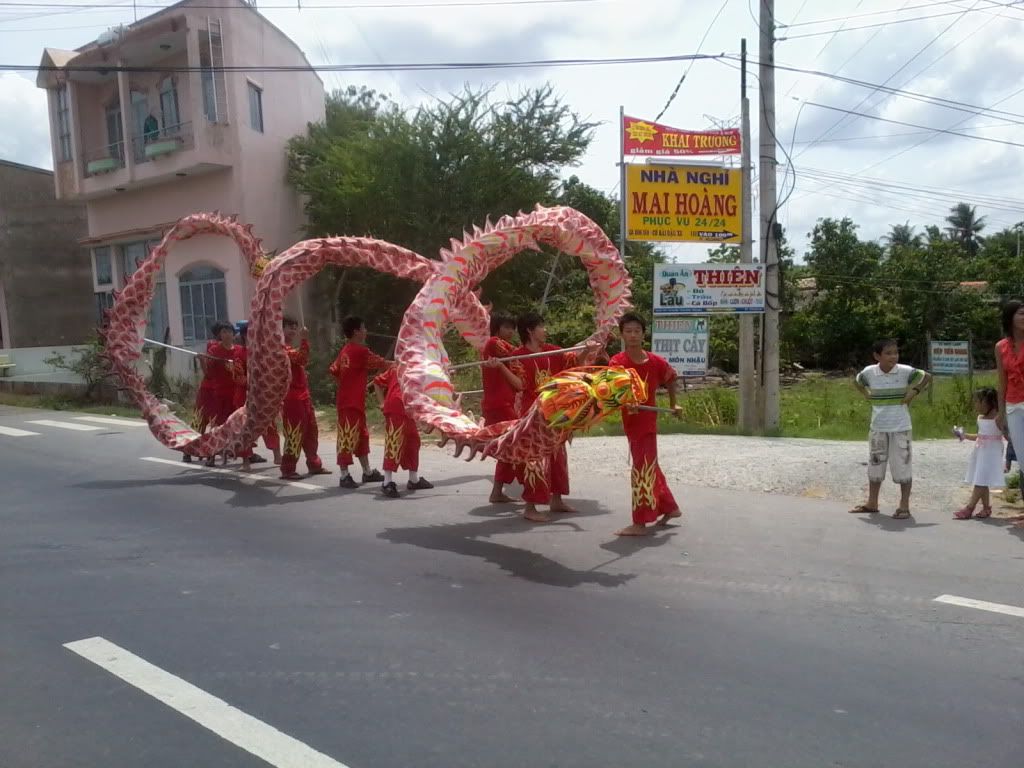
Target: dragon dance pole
x,y
519,357
180,349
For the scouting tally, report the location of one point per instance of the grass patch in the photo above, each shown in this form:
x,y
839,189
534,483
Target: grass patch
x,y
826,409
53,403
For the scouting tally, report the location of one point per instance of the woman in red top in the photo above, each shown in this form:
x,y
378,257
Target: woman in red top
x,y
216,396
401,436
1010,367
241,375
652,499
502,384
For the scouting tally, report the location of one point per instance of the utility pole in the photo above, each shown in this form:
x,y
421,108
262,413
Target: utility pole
x,y
748,382
769,206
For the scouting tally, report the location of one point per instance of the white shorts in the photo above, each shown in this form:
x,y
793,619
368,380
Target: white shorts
x,y
890,449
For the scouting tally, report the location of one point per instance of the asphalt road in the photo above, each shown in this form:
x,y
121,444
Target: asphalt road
x,y
437,631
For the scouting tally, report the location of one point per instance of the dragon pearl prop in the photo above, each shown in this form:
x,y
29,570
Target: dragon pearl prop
x,y
447,298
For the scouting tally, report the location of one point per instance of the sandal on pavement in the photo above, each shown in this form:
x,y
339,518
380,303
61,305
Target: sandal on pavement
x,y
964,514
901,514
985,512
863,509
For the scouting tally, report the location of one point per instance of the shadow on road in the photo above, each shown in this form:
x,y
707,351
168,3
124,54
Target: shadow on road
x,y
469,539
886,523
1008,525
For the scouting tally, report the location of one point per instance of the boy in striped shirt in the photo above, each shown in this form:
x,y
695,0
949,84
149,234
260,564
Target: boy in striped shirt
x,y
890,387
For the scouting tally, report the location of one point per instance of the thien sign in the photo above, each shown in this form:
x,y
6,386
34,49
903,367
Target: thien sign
x,y
697,289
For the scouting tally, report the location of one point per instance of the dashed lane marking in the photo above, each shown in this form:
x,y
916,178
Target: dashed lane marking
x,y
111,421
66,425
12,432
251,477
981,605
216,715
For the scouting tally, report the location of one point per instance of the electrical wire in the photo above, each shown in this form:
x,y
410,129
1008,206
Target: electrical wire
x,y
686,73
958,13
107,68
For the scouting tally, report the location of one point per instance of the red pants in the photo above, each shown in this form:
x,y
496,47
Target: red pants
x,y
401,443
213,407
270,436
651,496
353,437
300,434
270,439
542,479
503,471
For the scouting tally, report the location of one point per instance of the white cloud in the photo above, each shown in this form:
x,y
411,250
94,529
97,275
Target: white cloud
x,y
26,135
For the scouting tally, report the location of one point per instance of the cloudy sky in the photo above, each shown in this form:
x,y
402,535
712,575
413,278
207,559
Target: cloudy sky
x,y
878,173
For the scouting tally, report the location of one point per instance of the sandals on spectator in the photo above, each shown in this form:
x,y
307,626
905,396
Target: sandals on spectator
x,y
863,509
901,514
985,512
965,514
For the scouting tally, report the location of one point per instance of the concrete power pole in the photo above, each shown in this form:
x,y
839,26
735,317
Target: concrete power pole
x,y
748,388
769,242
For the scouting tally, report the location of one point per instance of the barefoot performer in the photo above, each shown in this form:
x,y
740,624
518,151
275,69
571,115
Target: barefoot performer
x,y
652,499
241,375
215,399
502,382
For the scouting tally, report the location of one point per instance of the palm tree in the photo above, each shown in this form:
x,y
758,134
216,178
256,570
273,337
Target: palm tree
x,y
902,236
965,225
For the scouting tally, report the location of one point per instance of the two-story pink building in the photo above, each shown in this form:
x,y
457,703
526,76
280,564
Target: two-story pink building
x,y
189,109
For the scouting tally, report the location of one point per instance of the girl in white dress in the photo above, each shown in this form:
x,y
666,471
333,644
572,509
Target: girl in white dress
x,y
985,469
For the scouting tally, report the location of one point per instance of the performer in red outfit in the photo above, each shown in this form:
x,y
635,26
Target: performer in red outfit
x,y
547,482
215,399
241,376
350,370
300,429
501,384
401,436
652,499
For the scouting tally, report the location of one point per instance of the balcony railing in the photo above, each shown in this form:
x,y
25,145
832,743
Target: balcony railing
x,y
104,159
162,142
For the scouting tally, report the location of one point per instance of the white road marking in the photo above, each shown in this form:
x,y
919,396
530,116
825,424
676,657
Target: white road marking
x,y
231,724
66,425
112,421
12,432
981,605
252,477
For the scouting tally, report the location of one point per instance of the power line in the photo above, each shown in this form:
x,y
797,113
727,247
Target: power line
x,y
903,66
432,66
958,13
686,73
293,6
915,125
905,7
914,95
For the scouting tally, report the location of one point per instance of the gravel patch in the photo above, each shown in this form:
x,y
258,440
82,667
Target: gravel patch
x,y
824,469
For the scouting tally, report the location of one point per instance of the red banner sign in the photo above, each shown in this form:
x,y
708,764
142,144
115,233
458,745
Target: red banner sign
x,y
642,137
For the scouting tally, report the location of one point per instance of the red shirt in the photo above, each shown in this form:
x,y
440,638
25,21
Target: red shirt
x,y
1013,367
655,371
217,374
241,373
298,388
537,370
388,381
498,392
354,361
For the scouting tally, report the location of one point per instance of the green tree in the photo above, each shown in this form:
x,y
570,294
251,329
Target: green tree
x,y
965,227
418,179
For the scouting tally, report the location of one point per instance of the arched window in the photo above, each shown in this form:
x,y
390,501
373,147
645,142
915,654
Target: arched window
x,y
204,301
